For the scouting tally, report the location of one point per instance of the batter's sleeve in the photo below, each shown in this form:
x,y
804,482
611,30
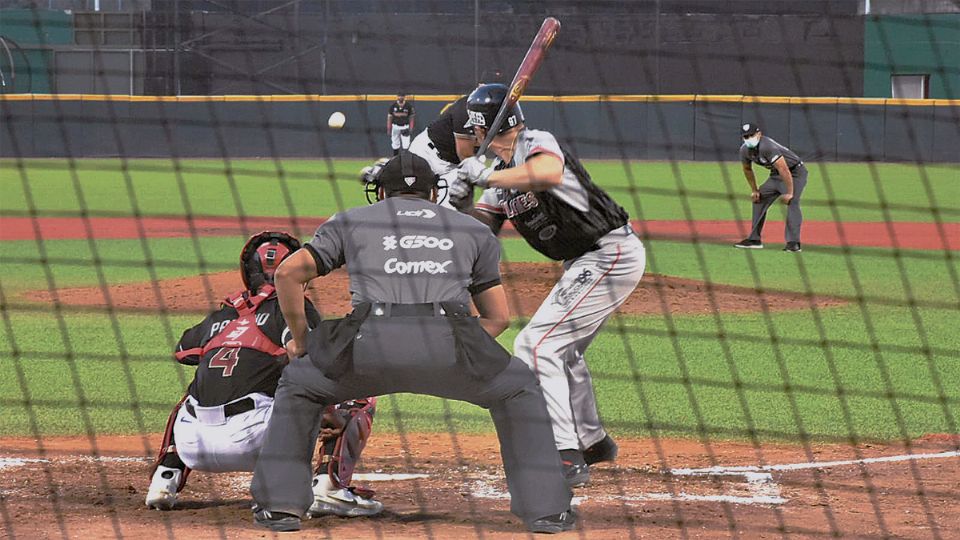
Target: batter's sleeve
x,y
326,246
490,203
486,268
543,142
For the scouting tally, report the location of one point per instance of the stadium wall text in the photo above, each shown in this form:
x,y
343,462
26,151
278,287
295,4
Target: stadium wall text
x,y
643,127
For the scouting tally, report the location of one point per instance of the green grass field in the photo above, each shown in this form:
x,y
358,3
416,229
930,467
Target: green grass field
x,y
826,374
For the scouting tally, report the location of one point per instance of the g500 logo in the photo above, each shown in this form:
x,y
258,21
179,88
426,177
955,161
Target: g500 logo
x,y
416,241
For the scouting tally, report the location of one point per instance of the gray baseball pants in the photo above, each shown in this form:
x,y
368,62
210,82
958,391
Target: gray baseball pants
x,y
416,355
770,191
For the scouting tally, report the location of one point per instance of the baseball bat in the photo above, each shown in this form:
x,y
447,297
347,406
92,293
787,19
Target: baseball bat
x,y
531,62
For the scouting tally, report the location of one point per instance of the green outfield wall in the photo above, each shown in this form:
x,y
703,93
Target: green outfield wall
x,y
912,45
679,127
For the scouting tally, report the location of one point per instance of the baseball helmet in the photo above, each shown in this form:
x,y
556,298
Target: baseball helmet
x,y
261,256
484,103
405,172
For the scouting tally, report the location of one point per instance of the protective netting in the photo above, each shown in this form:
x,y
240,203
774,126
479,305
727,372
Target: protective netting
x,y
752,392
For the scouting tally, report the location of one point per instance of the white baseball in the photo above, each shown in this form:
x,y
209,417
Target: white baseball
x,y
337,120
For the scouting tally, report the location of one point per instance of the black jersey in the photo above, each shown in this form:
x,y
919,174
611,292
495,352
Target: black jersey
x,y
563,222
400,114
226,373
443,131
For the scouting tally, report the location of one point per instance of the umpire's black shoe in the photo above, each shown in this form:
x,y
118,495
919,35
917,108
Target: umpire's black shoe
x,y
276,521
793,247
747,243
557,523
605,450
576,472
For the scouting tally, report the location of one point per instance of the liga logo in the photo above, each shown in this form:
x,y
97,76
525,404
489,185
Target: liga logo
x,y
416,241
422,213
396,266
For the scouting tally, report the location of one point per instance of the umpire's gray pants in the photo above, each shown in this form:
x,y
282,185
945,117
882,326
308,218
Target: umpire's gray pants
x,y
419,356
770,191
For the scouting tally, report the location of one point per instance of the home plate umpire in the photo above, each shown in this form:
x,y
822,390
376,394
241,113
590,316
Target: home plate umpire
x,y
414,267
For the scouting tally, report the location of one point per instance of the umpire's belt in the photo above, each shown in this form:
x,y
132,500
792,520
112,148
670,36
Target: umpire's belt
x,y
429,309
219,413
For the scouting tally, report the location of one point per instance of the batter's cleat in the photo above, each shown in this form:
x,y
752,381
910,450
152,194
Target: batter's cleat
x,y
557,523
276,521
605,450
747,243
330,500
576,472
162,494
793,247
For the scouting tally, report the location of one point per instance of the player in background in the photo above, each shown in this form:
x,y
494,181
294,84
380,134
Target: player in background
x,y
788,177
551,201
400,120
220,424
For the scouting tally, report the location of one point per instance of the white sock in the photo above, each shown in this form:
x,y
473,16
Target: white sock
x,y
323,484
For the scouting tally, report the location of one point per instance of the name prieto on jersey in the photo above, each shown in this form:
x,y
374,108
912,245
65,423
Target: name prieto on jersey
x,y
216,327
390,242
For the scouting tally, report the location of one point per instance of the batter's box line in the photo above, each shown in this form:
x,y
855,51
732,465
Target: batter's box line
x,y
764,489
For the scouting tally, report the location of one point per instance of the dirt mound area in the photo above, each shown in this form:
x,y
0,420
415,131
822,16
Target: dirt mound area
x,y
80,487
527,285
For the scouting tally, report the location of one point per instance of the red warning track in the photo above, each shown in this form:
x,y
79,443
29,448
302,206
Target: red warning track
x,y
904,235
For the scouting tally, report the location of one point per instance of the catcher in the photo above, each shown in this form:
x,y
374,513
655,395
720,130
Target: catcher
x,y
219,425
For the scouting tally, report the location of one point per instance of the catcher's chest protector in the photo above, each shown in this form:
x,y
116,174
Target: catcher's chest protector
x,y
243,331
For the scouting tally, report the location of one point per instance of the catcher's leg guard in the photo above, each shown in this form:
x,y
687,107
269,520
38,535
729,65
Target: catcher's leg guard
x,y
168,449
345,431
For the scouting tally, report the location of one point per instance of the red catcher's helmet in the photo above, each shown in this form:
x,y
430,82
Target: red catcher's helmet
x,y
261,256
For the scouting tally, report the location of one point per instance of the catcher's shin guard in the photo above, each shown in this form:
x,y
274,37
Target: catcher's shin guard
x,y
168,446
345,431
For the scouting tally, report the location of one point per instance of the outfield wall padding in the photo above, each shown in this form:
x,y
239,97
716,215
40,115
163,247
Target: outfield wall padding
x,y
700,128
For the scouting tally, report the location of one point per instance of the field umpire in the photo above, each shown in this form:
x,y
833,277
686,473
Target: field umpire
x,y
788,177
414,267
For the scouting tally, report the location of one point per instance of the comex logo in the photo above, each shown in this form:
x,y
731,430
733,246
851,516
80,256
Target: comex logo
x,y
417,241
422,213
395,266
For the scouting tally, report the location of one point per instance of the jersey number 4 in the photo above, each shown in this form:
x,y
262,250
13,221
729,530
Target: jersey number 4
x,y
226,359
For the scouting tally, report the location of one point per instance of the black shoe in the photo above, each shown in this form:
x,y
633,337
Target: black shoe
x,y
605,450
557,523
747,243
576,472
793,247
276,521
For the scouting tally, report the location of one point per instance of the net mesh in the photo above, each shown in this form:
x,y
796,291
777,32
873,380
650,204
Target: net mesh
x,y
751,391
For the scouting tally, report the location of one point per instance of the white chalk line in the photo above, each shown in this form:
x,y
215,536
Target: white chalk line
x,y
759,484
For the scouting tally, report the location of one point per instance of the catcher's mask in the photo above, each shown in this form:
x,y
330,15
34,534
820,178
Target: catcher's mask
x,y
404,173
261,256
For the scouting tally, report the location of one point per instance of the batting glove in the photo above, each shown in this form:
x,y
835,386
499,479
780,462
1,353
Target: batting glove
x,y
475,171
459,190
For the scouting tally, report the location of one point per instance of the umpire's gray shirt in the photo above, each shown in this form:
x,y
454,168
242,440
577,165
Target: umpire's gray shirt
x,y
407,250
767,153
